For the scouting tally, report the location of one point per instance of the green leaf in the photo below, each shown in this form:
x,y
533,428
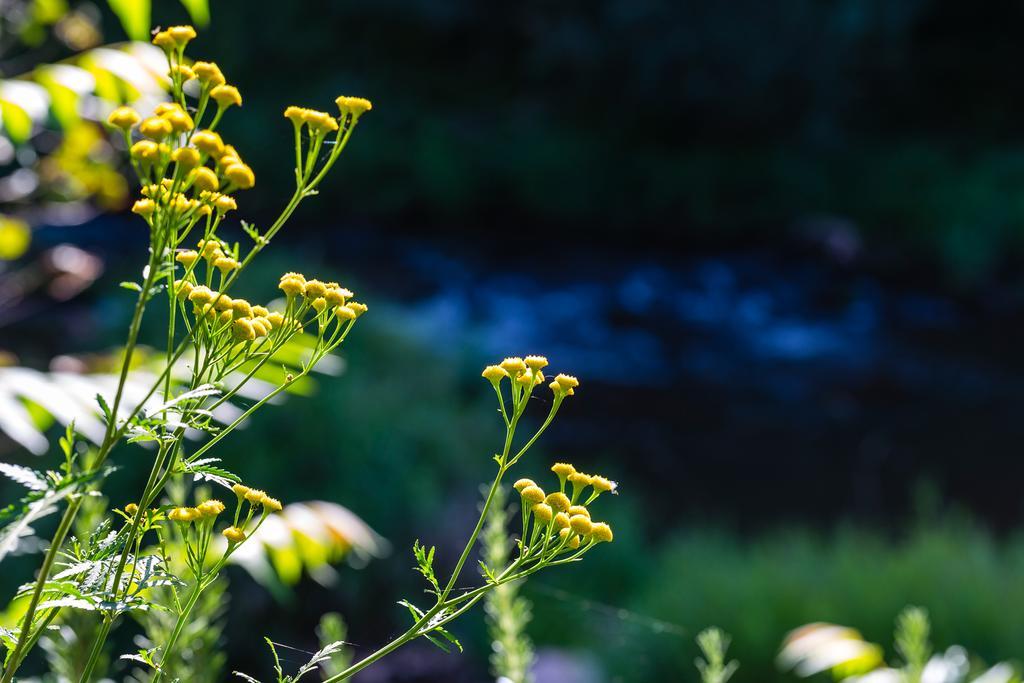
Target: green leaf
x,y
199,10
63,100
16,121
133,286
134,16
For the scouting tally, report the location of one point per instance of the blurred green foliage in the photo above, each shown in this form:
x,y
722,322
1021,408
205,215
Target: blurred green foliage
x,y
760,588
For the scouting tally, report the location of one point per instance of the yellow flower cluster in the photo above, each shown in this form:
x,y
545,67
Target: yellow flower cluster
x,y
527,372
327,299
561,514
187,170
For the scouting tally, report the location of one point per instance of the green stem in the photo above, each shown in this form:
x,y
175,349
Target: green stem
x,y
178,627
44,572
97,648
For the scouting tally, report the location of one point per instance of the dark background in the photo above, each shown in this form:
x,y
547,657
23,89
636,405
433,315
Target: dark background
x,y
780,244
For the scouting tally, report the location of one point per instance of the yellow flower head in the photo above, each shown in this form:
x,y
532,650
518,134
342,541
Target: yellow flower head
x,y
225,264
123,118
201,295
131,509
564,470
184,71
344,313
574,541
335,294
580,479
182,288
319,304
320,121
241,308
601,532
225,203
179,119
561,520
558,501
254,496
240,490
567,382
578,510
292,285
536,362
275,319
262,326
241,175
165,40
204,179
155,128
603,485
186,157
271,504
358,308
522,484
543,512
182,34
226,95
297,115
357,106
494,374
209,248
186,258
514,366
242,330
145,150
208,73
208,142
210,508
234,534
525,379
532,494
580,524
315,289
225,317
144,207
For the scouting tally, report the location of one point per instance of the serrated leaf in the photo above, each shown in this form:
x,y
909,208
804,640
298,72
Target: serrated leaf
x,y
25,476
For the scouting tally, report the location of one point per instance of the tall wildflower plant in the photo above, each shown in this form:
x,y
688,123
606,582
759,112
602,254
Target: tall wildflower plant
x,y
167,548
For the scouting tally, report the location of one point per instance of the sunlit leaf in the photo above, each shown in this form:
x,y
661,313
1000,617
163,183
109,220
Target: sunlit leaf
x,y
199,10
17,122
134,16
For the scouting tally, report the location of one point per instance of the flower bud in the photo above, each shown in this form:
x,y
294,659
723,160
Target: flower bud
x,y
241,175
601,532
186,258
182,34
522,484
204,179
234,534
144,207
208,142
558,501
494,374
210,508
580,524
532,495
123,118
208,73
226,95
242,330
186,157
543,512
155,128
